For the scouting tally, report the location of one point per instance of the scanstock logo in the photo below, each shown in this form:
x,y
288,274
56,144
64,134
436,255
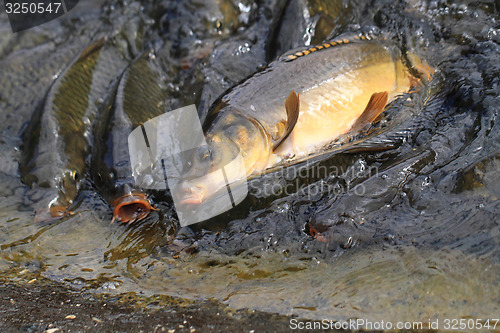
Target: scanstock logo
x,y
25,14
158,149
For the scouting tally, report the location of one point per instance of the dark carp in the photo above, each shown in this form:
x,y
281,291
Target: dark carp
x,y
61,135
141,95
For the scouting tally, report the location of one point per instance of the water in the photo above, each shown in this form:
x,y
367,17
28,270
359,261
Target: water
x,y
408,232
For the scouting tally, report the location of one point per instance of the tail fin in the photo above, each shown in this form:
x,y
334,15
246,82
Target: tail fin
x,y
418,68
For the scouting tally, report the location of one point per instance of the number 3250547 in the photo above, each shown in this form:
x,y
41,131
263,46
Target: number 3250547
x,y
32,7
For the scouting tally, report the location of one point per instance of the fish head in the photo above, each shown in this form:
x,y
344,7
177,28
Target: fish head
x,y
67,189
235,148
69,183
202,177
66,186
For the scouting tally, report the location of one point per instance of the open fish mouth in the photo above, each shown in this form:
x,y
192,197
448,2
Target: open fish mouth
x,y
131,207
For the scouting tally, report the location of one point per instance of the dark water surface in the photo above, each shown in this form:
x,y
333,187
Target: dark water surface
x,y
409,233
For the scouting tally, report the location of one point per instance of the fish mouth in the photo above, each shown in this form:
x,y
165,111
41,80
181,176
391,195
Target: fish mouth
x,y
131,207
193,200
191,195
58,210
52,213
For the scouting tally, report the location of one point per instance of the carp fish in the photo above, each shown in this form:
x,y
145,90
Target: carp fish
x,y
294,107
141,95
61,134
60,138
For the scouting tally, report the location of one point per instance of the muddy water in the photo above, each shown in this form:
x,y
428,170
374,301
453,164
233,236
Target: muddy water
x,y
408,226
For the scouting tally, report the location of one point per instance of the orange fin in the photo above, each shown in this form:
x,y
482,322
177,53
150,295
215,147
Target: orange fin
x,y
53,213
292,104
374,107
424,70
92,48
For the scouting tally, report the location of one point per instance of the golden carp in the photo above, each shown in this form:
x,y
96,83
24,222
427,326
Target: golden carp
x,y
297,105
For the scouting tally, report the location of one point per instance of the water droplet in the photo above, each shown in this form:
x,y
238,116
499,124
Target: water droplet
x,y
282,208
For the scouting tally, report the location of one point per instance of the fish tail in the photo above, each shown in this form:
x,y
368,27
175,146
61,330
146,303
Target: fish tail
x,y
418,67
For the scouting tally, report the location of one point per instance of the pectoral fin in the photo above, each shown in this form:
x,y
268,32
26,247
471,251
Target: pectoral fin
x,y
374,107
292,104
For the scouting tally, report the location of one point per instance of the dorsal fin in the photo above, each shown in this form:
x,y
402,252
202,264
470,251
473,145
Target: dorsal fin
x,y
292,106
374,107
326,45
92,48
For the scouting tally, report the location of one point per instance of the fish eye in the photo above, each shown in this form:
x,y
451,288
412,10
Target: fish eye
x,y
71,176
204,153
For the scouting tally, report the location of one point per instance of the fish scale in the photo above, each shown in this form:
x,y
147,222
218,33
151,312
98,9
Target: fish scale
x,y
336,88
65,124
141,95
328,76
269,89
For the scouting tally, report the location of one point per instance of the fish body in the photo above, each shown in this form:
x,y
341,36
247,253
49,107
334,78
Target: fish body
x,y
140,96
338,86
61,135
334,86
